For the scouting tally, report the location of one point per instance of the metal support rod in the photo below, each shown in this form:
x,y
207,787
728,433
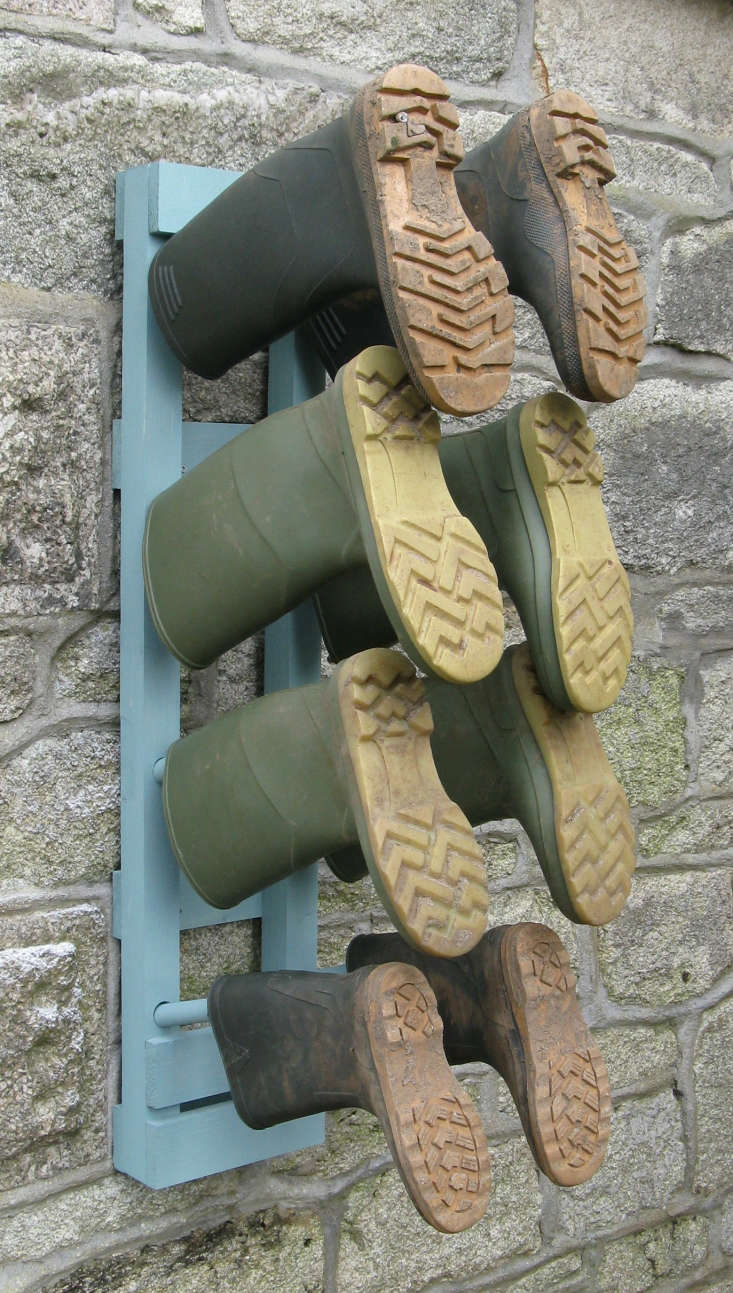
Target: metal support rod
x,y
173,1014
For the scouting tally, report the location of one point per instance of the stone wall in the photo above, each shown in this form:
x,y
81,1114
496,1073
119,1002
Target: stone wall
x,y
90,87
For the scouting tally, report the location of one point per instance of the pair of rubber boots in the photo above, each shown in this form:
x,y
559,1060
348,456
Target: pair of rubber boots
x,y
382,1036
376,227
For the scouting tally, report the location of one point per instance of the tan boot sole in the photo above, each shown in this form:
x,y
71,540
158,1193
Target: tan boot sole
x,y
593,832
568,1093
438,574
591,603
422,854
436,1135
443,289
608,289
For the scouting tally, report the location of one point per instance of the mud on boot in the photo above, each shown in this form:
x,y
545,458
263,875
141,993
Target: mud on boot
x,y
298,1043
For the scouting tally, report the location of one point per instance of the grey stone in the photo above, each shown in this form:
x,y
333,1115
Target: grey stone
x,y
87,666
553,1275
374,1254
55,1042
51,465
239,396
643,1168
673,939
652,60
479,124
637,1054
206,952
240,674
59,811
639,1261
667,504
654,169
499,855
181,17
715,765
93,114
17,671
694,829
469,41
695,298
41,1043
515,906
528,331
726,1227
643,733
714,1097
270,1250
94,13
705,610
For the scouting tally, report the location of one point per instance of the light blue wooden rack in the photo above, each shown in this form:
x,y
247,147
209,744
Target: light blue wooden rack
x,y
175,1122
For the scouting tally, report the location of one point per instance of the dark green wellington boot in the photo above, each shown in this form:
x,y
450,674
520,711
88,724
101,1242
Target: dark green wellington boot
x,y
536,190
530,484
511,1003
366,203
349,477
300,1043
280,782
501,750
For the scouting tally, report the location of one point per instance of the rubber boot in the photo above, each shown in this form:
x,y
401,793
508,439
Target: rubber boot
x,y
367,202
349,477
511,1003
501,750
536,191
530,484
278,783
295,1044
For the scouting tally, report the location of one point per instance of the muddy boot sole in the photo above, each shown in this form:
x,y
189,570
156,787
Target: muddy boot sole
x,y
607,287
590,596
432,1127
568,1094
444,292
419,847
431,567
594,838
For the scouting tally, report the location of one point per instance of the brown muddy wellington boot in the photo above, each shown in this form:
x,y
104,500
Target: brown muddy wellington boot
x,y
502,750
365,204
351,476
511,1003
536,191
346,762
298,1043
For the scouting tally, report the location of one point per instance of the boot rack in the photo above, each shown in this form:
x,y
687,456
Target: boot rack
x,y
176,1120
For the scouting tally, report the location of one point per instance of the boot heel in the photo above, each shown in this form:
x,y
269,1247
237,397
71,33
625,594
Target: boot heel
x,y
434,1130
420,849
591,601
430,564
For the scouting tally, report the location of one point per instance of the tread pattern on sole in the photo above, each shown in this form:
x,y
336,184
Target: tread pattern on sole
x,y
591,595
572,1093
608,288
428,861
437,568
449,291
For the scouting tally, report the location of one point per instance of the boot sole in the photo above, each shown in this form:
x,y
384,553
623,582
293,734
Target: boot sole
x,y
593,834
607,287
434,1130
567,1086
444,292
591,603
431,567
420,849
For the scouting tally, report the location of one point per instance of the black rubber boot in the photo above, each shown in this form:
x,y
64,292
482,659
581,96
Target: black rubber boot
x,y
501,750
536,191
530,484
367,203
511,1003
298,1043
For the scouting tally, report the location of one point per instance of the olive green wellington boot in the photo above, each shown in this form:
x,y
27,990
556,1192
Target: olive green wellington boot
x,y
367,203
501,750
280,782
530,484
511,1003
349,477
536,191
302,1043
